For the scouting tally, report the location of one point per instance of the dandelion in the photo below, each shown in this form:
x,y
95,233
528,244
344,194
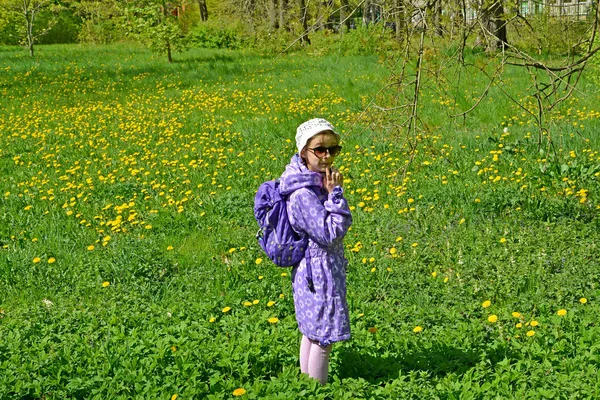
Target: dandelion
x,y
239,392
446,279
212,320
255,302
516,314
258,261
372,259
503,240
173,349
247,303
174,397
91,247
226,309
415,244
519,325
169,248
270,303
273,320
284,274
260,277
148,226
36,260
373,269
393,250
281,295
534,323
105,284
562,312
51,260
434,274
530,333
583,300
486,304
492,319
462,221
417,329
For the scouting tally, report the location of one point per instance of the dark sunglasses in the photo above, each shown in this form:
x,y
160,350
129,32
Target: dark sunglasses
x,y
321,151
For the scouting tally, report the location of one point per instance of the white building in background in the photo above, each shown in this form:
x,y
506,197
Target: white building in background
x,y
557,8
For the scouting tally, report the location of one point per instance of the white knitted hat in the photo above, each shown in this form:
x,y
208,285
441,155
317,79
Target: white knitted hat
x,y
311,128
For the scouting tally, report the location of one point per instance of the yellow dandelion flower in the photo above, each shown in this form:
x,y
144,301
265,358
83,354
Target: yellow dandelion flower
x,y
105,284
239,392
258,261
519,325
534,323
36,260
373,269
562,312
417,329
530,333
212,319
516,314
284,274
270,303
255,302
51,260
174,397
281,295
226,309
169,248
415,244
372,259
434,274
260,277
247,303
492,319
503,240
393,250
273,320
486,304
91,247
583,300
148,226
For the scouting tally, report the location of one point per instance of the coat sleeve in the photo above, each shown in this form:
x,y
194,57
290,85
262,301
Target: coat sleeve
x,y
324,223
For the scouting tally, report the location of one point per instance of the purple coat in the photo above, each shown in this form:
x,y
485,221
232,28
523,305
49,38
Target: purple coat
x,y
322,315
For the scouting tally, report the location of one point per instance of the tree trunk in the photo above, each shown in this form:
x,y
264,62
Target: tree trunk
x,y
437,18
304,39
492,19
203,10
344,16
399,19
272,12
282,10
331,16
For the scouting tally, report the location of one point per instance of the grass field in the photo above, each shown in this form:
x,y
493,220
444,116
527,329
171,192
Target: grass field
x,y
129,266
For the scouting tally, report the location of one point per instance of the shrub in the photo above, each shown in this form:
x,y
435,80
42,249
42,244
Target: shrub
x,y
211,36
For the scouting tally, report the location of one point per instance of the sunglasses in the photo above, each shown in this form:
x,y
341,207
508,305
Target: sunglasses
x,y
321,151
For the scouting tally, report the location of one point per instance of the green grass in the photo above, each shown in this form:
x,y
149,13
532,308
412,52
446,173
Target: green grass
x,y
177,151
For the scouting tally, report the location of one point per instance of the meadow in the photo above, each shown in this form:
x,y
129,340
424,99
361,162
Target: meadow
x,y
129,266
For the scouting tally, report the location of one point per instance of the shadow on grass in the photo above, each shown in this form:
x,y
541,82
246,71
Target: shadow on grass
x,y
437,361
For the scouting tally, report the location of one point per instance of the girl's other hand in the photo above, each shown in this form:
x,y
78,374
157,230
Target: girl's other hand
x,y
332,178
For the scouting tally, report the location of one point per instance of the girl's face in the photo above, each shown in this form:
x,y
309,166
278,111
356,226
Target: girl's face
x,y
325,139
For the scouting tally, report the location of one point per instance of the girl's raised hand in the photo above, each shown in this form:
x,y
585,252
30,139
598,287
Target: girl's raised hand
x,y
332,178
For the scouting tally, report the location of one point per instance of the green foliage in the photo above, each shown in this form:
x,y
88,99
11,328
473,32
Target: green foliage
x,y
65,26
215,35
9,32
371,40
549,35
154,24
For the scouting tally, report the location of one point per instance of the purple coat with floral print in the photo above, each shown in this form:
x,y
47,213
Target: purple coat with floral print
x,y
322,314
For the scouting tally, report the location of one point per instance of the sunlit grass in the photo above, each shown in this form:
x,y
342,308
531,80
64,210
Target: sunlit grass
x,y
128,249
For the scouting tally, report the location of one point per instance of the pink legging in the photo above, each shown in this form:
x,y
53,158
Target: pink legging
x,y
314,359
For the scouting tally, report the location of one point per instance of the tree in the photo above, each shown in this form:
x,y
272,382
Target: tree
x,y
29,10
304,39
203,10
154,22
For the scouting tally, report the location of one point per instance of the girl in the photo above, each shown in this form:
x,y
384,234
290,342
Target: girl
x,y
316,206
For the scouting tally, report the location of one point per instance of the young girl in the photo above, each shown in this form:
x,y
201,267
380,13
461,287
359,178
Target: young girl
x,y
318,208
